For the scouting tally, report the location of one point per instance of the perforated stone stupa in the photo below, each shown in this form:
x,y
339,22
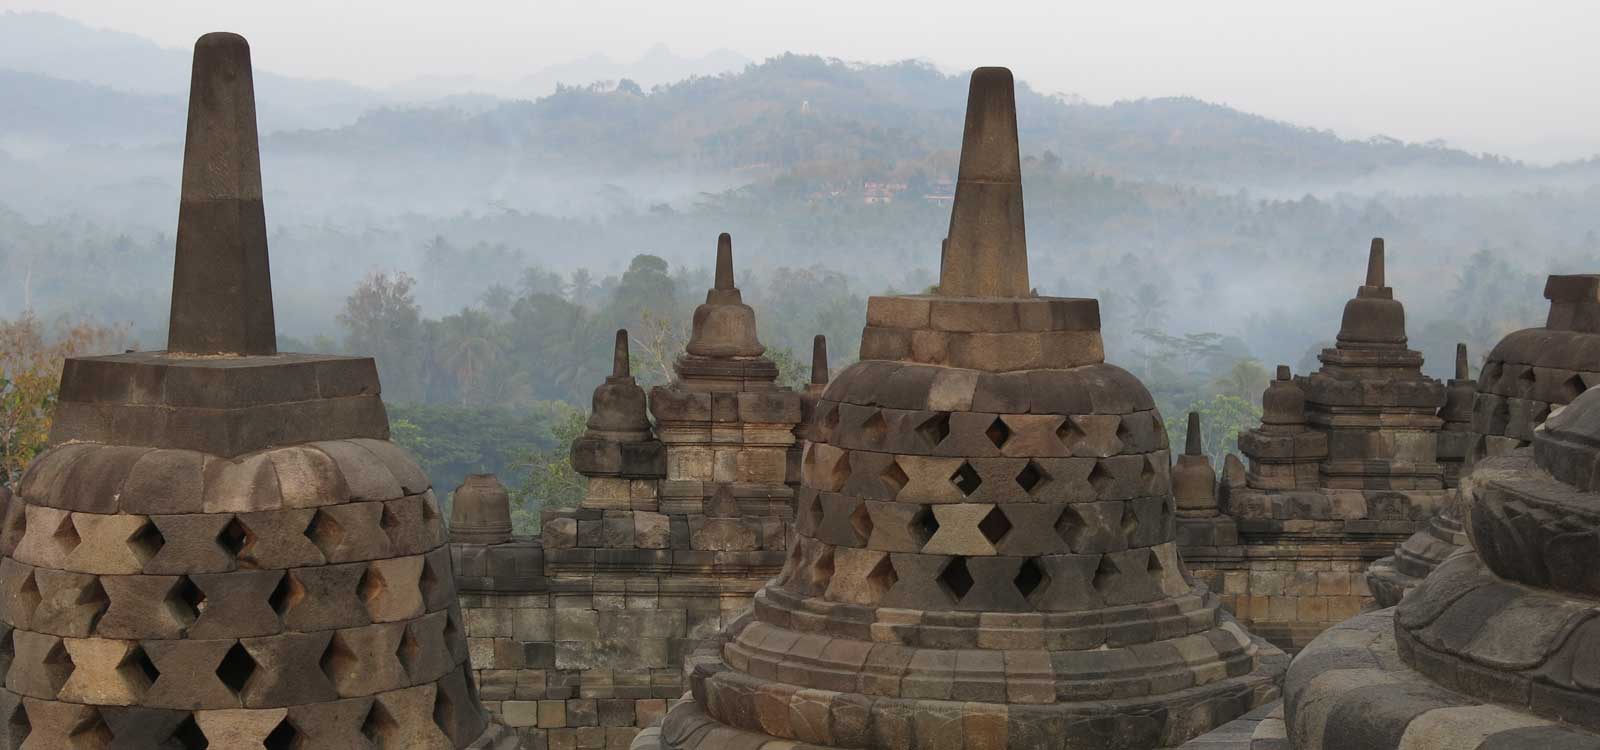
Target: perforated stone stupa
x,y
1528,373
1496,650
984,553
1345,465
222,548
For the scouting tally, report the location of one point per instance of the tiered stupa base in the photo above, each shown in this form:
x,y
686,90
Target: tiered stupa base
x,y
1350,689
892,695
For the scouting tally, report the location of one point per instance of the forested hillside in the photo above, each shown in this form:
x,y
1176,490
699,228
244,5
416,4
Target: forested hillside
x,y
484,250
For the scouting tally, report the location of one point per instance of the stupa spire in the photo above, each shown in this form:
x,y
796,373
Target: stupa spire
x,y
724,278
221,284
620,365
819,360
1192,442
724,326
1375,263
1463,372
986,254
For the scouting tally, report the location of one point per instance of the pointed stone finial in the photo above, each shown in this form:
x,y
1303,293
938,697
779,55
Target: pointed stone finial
x,y
724,279
1462,370
1283,372
987,251
819,360
1375,263
1192,443
620,366
221,284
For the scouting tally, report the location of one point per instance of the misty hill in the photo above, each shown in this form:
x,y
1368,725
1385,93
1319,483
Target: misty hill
x,y
829,122
45,112
46,44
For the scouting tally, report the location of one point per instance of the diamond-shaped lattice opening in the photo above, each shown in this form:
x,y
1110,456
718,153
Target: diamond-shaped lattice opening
x,y
956,579
934,429
1070,434
91,732
452,629
994,526
189,737
430,512
287,594
236,538
1572,388
924,524
1104,574
830,421
998,433
444,714
1154,567
338,662
428,581
93,596
1069,525
19,725
1100,478
861,523
409,650
1030,578
813,511
1147,473
28,596
236,668
966,479
875,429
282,737
1130,522
822,572
146,542
66,535
1032,477
1124,434
379,727
882,577
1525,382
326,532
8,652
894,478
371,586
58,666
186,601
137,670
390,523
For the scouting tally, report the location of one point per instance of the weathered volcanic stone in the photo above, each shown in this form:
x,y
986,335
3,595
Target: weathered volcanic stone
x,y
1495,648
198,559
916,611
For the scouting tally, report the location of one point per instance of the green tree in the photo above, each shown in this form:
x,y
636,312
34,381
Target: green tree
x,y
381,319
547,477
1246,380
1222,418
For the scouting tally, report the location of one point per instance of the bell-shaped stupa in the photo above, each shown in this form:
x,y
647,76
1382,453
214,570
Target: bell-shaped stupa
x,y
984,553
1496,649
222,548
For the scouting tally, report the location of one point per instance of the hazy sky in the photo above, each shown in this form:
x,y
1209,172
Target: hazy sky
x,y
1522,79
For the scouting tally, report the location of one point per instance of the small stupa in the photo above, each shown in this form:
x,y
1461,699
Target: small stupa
x,y
1348,461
